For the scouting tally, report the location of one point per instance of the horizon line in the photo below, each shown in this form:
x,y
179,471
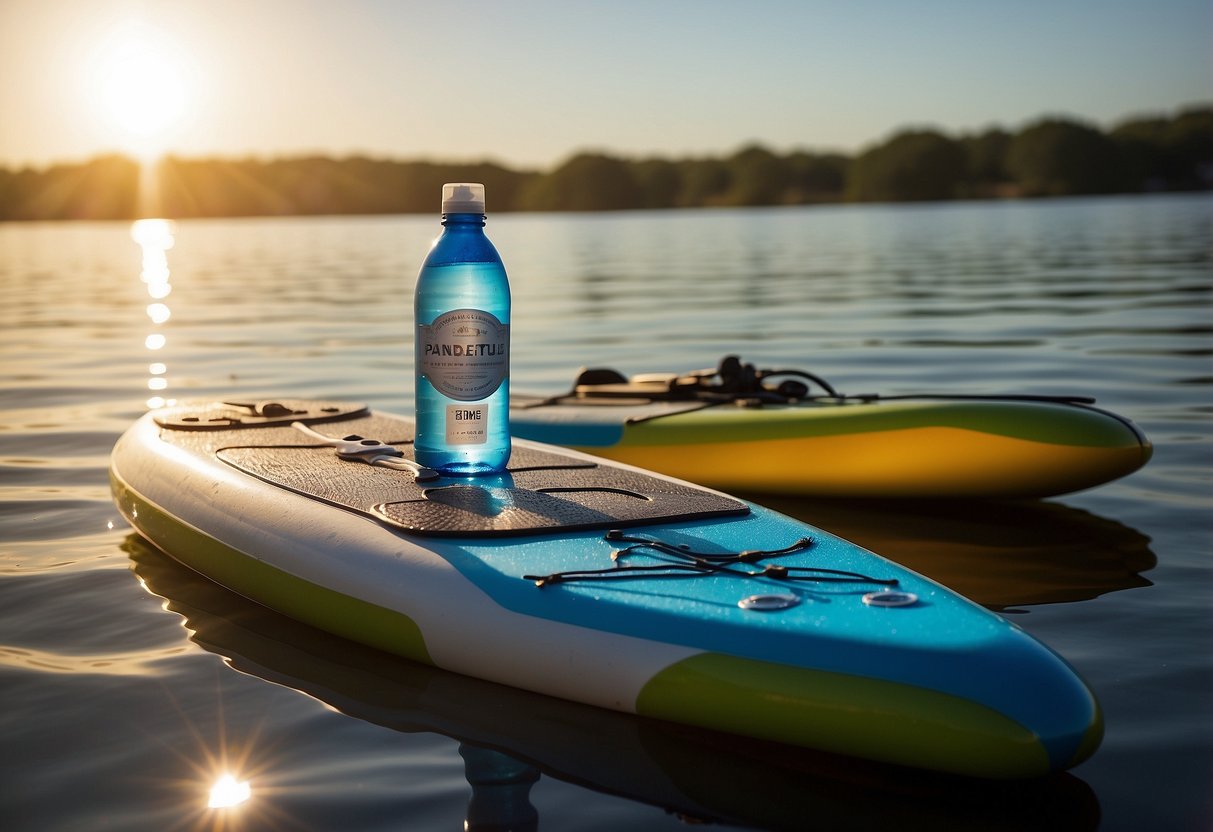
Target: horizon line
x,y
590,149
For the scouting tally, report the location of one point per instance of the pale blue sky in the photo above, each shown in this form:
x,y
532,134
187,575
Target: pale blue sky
x,y
530,82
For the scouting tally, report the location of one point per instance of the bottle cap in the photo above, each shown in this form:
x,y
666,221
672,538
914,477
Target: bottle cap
x,y
463,198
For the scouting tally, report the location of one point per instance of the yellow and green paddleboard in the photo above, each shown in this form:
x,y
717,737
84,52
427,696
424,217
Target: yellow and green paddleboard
x,y
749,434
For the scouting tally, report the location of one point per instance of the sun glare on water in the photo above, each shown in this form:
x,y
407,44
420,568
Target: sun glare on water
x,y
228,792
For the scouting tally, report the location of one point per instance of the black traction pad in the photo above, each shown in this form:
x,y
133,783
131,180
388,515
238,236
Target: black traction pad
x,y
541,492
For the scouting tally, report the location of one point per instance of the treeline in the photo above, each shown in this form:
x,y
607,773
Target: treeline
x,y
1050,157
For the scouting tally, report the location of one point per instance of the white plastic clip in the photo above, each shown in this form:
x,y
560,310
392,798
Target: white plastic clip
x,y
370,451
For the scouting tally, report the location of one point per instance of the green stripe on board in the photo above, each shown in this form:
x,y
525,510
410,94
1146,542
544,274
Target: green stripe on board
x,y
1056,424
872,718
302,600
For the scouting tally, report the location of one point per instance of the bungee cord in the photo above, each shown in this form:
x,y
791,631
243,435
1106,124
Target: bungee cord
x,y
689,563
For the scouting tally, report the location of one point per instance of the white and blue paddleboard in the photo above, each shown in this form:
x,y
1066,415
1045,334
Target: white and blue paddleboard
x,y
598,583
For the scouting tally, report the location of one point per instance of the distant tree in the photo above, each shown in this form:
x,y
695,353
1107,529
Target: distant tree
x,y
659,181
221,188
1141,147
986,162
586,182
14,188
912,165
704,182
105,188
1057,157
319,185
756,177
1189,140
421,187
8,189
503,186
817,177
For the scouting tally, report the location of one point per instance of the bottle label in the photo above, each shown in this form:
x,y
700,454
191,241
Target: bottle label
x,y
465,354
467,424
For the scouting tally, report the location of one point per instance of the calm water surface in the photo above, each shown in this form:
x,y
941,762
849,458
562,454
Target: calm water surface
x,y
129,685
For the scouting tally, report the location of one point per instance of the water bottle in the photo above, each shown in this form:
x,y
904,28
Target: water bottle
x,y
462,312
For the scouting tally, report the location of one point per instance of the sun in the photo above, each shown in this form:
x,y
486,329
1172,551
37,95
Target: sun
x,y
140,84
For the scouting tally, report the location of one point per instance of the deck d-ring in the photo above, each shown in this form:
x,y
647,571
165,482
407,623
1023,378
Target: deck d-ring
x,y
769,603
890,598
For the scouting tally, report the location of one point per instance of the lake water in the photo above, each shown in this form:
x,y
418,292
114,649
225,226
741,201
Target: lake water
x,y
128,685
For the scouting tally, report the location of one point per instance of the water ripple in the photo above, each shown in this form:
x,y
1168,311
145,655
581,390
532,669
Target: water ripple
x,y
144,663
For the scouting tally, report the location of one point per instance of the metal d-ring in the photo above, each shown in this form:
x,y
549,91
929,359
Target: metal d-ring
x,y
769,603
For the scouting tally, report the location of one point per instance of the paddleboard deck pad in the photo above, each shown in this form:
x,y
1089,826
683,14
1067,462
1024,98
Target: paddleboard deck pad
x,y
599,583
788,431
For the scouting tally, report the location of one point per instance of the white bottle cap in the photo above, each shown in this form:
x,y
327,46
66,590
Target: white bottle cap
x,y
463,198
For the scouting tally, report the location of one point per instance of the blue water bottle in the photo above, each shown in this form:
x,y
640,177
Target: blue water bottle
x,y
462,312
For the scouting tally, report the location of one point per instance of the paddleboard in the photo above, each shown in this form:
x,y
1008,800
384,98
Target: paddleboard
x,y
598,583
790,432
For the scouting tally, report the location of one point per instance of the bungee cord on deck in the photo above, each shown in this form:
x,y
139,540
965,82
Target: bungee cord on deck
x,y
692,564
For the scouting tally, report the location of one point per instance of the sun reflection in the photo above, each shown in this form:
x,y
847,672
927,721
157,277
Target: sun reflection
x,y
158,312
155,237
228,792
159,290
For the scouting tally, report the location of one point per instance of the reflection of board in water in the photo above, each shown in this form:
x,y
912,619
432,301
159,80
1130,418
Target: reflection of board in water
x,y
698,774
1001,555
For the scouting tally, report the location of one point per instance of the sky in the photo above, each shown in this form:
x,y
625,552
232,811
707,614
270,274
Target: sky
x,y
528,83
